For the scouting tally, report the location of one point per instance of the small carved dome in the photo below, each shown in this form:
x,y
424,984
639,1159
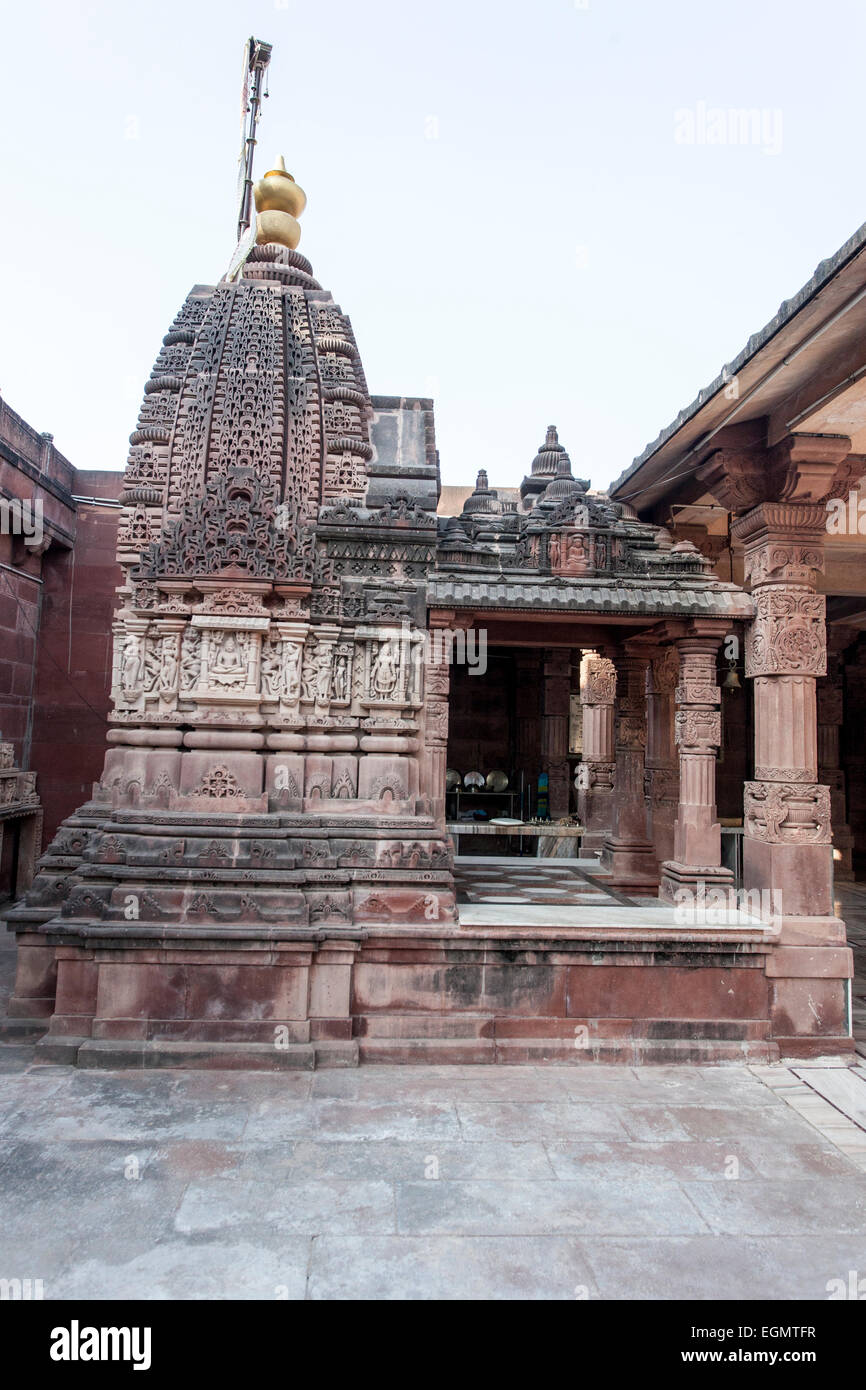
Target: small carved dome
x,y
549,455
483,499
563,484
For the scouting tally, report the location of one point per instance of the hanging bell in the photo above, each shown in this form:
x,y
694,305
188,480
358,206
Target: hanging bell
x,y
732,680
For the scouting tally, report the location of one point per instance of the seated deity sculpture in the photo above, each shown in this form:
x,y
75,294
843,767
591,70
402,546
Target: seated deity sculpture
x,y
229,661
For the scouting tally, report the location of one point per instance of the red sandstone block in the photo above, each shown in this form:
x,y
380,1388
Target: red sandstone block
x,y
802,1049
418,1026
35,976
428,1052
812,931
420,954
808,1007
528,1052
810,962
244,992
322,1028
128,1028
398,990
330,990
274,1033
666,992
68,1026
580,1033
240,1056
524,989
133,990
77,981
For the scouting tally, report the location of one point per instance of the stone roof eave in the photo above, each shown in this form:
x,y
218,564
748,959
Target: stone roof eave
x,y
592,598
647,473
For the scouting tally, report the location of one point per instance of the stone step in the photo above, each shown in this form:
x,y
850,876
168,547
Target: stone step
x,y
529,1051
439,1026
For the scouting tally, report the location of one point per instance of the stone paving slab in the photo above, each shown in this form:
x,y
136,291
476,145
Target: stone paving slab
x,y
431,1182
844,1089
722,1267
594,1206
450,1268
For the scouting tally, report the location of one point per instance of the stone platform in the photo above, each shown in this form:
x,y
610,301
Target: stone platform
x,y
547,964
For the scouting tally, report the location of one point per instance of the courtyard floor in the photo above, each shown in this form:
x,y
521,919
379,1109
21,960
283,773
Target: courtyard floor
x,y
428,1182
556,1182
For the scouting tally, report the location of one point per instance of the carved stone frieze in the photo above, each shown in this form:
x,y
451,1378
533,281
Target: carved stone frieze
x,y
597,681
788,634
631,731
791,562
698,728
788,812
595,775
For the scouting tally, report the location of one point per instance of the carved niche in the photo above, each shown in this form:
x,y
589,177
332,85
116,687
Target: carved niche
x,y
570,552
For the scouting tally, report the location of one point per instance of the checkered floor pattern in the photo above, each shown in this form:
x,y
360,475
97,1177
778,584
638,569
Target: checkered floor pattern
x,y
530,881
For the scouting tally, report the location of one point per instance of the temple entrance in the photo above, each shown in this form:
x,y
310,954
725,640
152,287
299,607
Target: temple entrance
x,y
512,788
513,752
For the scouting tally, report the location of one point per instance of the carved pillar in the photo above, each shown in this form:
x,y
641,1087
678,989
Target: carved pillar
x,y
786,813
662,777
437,686
596,770
830,693
697,835
628,852
783,493
787,840
554,729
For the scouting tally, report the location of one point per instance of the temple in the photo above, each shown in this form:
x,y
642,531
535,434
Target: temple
x,y
394,772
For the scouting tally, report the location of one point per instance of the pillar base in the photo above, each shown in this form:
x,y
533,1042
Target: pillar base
x,y
631,864
798,877
810,999
675,877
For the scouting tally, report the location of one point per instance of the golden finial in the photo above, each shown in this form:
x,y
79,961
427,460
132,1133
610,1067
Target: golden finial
x,y
279,203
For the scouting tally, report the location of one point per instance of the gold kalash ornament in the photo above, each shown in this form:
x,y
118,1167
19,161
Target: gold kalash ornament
x,y
279,203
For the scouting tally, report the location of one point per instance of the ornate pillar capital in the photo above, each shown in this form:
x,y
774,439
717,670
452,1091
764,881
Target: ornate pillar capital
x,y
802,468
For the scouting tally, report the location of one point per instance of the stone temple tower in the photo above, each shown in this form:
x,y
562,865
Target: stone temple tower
x,y
273,774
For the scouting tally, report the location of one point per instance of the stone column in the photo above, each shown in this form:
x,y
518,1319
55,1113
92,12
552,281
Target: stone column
x,y
595,773
782,494
830,692
787,842
554,729
697,835
662,779
786,846
628,852
437,682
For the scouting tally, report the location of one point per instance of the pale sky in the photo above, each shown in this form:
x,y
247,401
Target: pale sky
x,y
524,208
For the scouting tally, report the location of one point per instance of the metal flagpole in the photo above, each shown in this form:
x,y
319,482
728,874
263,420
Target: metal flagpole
x,y
257,56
